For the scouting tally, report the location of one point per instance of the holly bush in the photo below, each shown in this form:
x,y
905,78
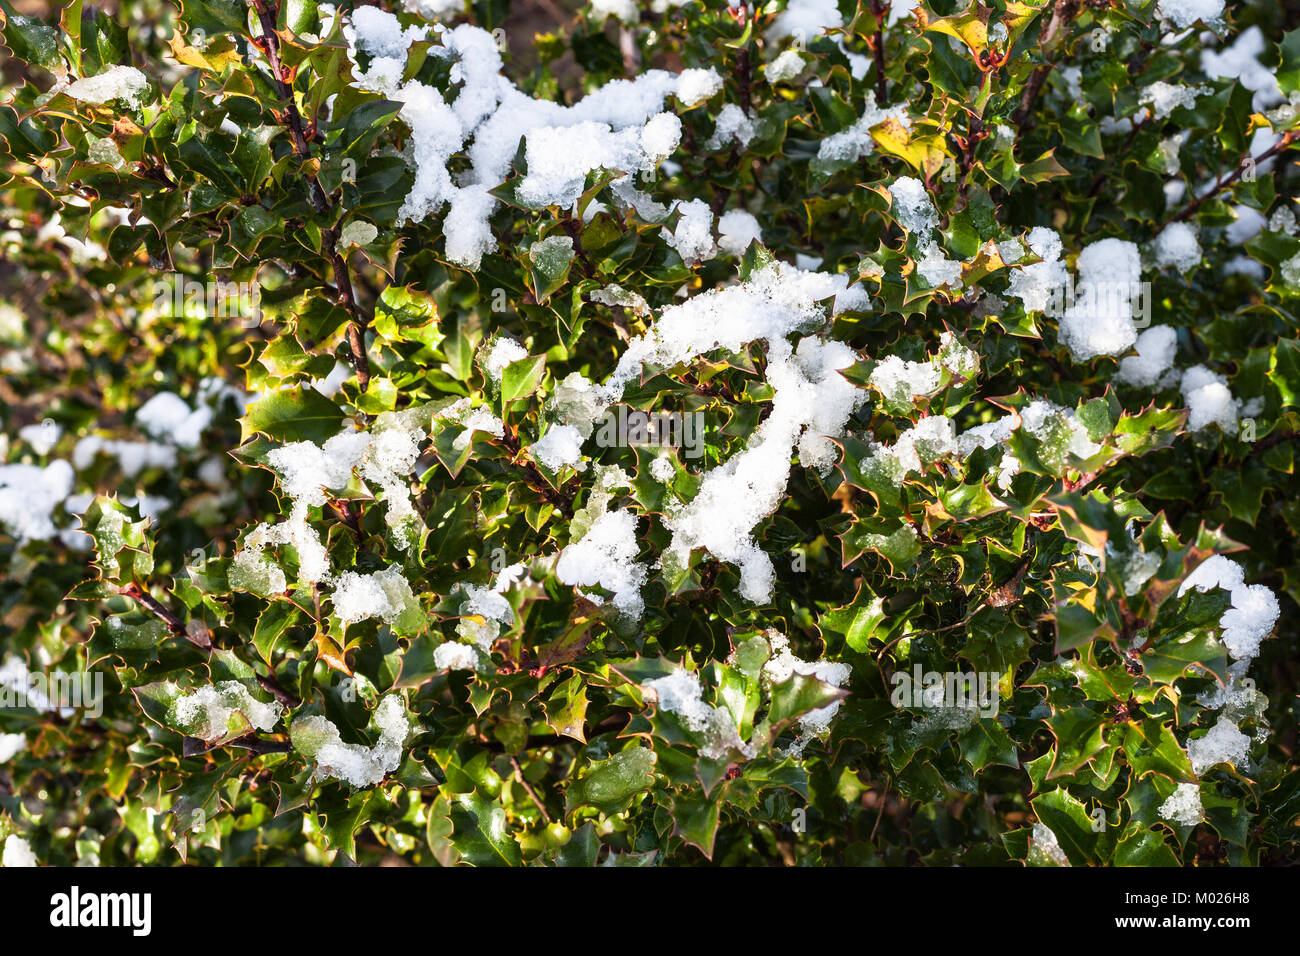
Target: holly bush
x,y
786,433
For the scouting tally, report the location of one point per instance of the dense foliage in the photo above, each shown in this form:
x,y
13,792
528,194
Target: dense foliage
x,y
331,342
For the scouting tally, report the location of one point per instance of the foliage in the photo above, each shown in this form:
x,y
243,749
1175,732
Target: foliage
x,y
477,581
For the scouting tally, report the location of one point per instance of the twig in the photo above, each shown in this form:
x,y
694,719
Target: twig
x,y
884,801
357,327
1271,441
257,745
269,43
554,10
158,610
532,794
744,78
879,10
1063,11
975,133
272,687
1223,182
630,51
1025,110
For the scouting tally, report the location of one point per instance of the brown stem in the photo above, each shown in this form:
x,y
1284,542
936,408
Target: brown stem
x,y
879,10
1063,11
532,794
884,801
1223,182
975,134
1025,110
272,687
269,43
1264,444
160,611
744,78
358,324
257,745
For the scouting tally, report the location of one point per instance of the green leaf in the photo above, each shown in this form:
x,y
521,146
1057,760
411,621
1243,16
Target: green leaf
x,y
1288,71
278,617
31,39
480,832
1146,848
566,710
798,695
1079,738
295,414
900,547
1070,821
521,378
344,818
582,849
1151,747
611,785
122,544
857,623
695,820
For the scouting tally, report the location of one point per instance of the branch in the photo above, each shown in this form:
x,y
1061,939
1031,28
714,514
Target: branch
x,y
1063,11
257,745
976,132
1025,110
272,687
884,802
1264,444
1223,182
879,10
269,43
745,78
532,794
160,611
357,327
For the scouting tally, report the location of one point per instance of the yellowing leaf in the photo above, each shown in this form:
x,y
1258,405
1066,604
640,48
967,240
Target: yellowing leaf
x,y
331,653
923,152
